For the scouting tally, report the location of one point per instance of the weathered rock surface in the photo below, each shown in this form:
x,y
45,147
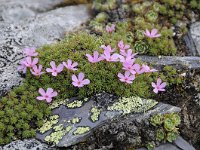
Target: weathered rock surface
x,y
109,122
27,23
178,62
31,144
178,144
192,39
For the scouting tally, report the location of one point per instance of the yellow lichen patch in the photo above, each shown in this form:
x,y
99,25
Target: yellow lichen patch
x,y
132,104
49,123
81,130
56,136
95,113
75,104
74,120
56,104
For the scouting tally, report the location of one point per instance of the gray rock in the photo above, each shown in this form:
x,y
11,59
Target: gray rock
x,y
186,62
23,25
20,10
31,144
167,146
193,39
110,122
179,144
182,144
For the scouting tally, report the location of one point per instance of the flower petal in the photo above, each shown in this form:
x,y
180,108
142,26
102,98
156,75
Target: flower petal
x,y
74,78
41,91
86,81
53,64
40,98
81,76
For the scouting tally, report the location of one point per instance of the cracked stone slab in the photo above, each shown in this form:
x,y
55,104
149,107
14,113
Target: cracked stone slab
x,y
35,30
189,62
55,129
192,39
30,144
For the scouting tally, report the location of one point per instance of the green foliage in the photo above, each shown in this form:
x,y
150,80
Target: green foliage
x,y
166,126
21,114
150,145
103,75
171,76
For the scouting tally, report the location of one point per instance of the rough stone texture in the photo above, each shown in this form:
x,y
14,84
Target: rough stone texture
x,y
27,23
182,144
178,62
84,113
111,126
31,144
192,39
178,144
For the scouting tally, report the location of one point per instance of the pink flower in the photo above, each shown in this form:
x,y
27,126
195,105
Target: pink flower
x,y
54,69
147,69
138,69
128,53
28,62
108,57
48,95
127,78
159,86
110,29
30,52
69,65
107,48
95,58
129,66
37,70
22,67
123,47
152,34
80,81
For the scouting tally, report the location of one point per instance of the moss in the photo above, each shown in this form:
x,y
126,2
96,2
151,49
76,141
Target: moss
x,y
57,134
81,130
21,114
95,114
132,104
49,123
172,76
102,75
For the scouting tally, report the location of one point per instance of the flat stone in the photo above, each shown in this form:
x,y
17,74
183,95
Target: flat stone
x,y
178,144
167,146
31,144
24,25
182,144
110,120
193,39
187,62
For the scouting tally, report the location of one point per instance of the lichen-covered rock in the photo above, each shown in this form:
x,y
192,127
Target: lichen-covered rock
x,y
193,39
31,144
76,122
23,25
127,131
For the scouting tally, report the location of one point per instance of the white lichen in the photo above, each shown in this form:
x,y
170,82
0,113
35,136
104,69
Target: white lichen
x,y
49,123
95,113
132,104
81,130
